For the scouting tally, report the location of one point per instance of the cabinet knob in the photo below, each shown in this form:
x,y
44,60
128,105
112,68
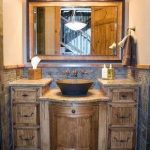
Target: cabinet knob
x,y
73,111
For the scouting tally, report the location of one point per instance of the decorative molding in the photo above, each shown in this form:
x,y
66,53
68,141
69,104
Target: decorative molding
x,y
53,65
142,66
13,66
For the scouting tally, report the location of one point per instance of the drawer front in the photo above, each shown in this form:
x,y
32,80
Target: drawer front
x,y
26,114
74,110
124,95
26,138
122,115
121,139
25,95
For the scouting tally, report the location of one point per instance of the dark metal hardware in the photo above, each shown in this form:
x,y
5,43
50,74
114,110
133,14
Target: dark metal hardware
x,y
123,117
121,141
124,96
26,116
73,111
26,139
25,95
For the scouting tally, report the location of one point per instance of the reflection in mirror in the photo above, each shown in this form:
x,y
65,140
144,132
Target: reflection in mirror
x,y
53,37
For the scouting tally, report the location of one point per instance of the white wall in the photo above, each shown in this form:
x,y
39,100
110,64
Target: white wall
x,y
12,30
139,16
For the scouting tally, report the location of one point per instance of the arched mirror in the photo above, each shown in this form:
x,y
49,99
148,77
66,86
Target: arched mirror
x,y
75,30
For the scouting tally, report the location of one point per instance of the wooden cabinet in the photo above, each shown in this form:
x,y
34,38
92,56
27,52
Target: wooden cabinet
x,y
122,118
74,127
25,113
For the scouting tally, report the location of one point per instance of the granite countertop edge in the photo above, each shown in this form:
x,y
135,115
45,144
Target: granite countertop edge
x,y
119,82
26,82
52,97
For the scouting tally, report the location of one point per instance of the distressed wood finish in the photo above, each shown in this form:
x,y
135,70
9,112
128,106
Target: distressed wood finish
x,y
45,125
25,113
121,139
27,138
74,127
123,95
103,127
25,94
122,114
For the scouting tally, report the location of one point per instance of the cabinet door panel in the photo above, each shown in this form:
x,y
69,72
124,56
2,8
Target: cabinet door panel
x,y
66,129
71,131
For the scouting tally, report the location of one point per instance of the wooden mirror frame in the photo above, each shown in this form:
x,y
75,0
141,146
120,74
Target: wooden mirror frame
x,y
57,58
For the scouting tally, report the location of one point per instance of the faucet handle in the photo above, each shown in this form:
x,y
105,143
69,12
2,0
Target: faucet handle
x,y
75,73
67,72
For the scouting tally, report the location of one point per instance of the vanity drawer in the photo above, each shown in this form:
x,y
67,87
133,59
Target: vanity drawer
x,y
122,139
26,114
74,110
24,95
123,95
122,114
26,138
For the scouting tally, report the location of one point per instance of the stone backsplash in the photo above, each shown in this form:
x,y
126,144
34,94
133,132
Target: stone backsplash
x,y
143,76
92,73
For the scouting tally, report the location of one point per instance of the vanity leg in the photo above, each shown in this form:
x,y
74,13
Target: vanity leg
x,y
102,136
44,125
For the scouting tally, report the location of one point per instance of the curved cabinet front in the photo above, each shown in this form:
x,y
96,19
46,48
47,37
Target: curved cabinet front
x,y
74,127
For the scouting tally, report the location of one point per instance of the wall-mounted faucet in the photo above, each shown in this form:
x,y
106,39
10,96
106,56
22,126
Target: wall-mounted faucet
x,y
75,73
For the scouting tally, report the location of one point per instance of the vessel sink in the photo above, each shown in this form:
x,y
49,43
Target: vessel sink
x,y
74,87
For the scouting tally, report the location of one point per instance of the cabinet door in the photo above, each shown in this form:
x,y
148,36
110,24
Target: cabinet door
x,y
74,128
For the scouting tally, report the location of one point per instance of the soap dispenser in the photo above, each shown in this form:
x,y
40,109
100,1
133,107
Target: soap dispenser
x,y
104,72
111,72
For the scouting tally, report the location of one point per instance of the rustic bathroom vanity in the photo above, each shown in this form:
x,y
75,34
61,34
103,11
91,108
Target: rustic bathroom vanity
x,y
44,119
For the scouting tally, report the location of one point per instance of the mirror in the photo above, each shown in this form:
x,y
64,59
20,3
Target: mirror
x,y
55,29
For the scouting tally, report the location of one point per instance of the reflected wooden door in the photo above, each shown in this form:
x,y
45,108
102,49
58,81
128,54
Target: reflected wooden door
x,y
104,29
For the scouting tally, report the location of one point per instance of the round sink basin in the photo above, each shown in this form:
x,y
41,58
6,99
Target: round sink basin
x,y
74,87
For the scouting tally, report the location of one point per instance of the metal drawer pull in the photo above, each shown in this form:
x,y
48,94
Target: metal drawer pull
x,y
26,139
25,95
123,117
26,116
121,141
73,111
124,96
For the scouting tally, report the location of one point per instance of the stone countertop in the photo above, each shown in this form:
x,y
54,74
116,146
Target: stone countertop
x,y
55,95
119,82
27,82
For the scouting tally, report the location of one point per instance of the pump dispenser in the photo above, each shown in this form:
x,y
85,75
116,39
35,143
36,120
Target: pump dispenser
x,y
104,72
111,72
